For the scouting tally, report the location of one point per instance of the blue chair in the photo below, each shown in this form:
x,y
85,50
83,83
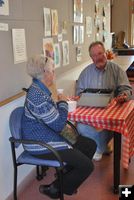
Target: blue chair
x,y
25,158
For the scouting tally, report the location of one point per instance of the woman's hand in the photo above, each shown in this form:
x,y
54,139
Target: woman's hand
x,y
74,98
62,97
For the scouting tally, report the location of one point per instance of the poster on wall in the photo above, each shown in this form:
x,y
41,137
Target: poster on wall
x,y
81,34
64,27
47,22
48,48
19,45
4,7
65,48
78,54
54,15
88,25
78,11
57,55
97,36
76,34
97,7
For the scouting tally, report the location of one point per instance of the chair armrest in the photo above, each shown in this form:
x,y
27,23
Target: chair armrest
x,y
49,147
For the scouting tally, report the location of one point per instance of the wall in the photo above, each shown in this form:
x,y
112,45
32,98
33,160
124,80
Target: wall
x,y
120,17
6,172
28,14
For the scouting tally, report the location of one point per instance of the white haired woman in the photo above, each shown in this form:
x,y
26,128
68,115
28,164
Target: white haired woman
x,y
39,106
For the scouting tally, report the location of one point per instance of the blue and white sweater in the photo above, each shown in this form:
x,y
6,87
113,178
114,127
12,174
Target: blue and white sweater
x,y
53,114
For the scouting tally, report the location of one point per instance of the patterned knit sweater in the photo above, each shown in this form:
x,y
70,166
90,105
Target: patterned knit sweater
x,y
40,103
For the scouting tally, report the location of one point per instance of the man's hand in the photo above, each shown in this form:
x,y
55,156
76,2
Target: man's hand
x,y
121,98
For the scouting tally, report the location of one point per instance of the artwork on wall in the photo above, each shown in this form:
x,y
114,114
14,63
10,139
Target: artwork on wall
x,y
81,34
48,48
78,54
97,36
54,15
88,25
19,45
64,27
96,7
105,36
78,11
65,49
103,12
104,27
57,55
1,3
47,22
4,7
76,34
4,27
60,37
97,21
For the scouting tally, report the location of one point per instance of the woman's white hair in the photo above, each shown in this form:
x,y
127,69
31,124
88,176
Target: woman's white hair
x,y
37,65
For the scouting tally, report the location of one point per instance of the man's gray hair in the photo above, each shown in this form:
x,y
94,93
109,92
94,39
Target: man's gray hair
x,y
94,44
38,64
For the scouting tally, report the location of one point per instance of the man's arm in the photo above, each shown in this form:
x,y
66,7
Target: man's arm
x,y
124,89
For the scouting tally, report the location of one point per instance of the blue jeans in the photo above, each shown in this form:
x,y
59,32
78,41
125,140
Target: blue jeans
x,y
100,137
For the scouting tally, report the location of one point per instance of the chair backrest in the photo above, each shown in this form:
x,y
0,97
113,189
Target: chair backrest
x,y
15,123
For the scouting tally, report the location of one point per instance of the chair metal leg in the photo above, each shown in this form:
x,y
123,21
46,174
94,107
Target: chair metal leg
x,y
15,183
60,176
41,172
117,158
38,176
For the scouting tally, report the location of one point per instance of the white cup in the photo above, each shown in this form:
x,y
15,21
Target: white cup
x,y
72,106
60,91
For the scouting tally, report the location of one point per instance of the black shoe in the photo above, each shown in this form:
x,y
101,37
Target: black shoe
x,y
50,191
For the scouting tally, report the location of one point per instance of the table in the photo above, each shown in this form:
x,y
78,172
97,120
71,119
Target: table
x,y
118,118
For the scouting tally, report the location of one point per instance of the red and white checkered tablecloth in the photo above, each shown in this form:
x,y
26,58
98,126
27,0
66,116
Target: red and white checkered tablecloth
x,y
116,117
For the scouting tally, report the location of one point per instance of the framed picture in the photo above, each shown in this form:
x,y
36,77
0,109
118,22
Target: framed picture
x,y
48,48
4,7
65,48
54,14
88,25
81,34
47,22
76,34
19,45
97,7
57,55
78,54
78,11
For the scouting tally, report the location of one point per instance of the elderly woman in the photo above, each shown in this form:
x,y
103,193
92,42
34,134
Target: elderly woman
x,y
44,119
